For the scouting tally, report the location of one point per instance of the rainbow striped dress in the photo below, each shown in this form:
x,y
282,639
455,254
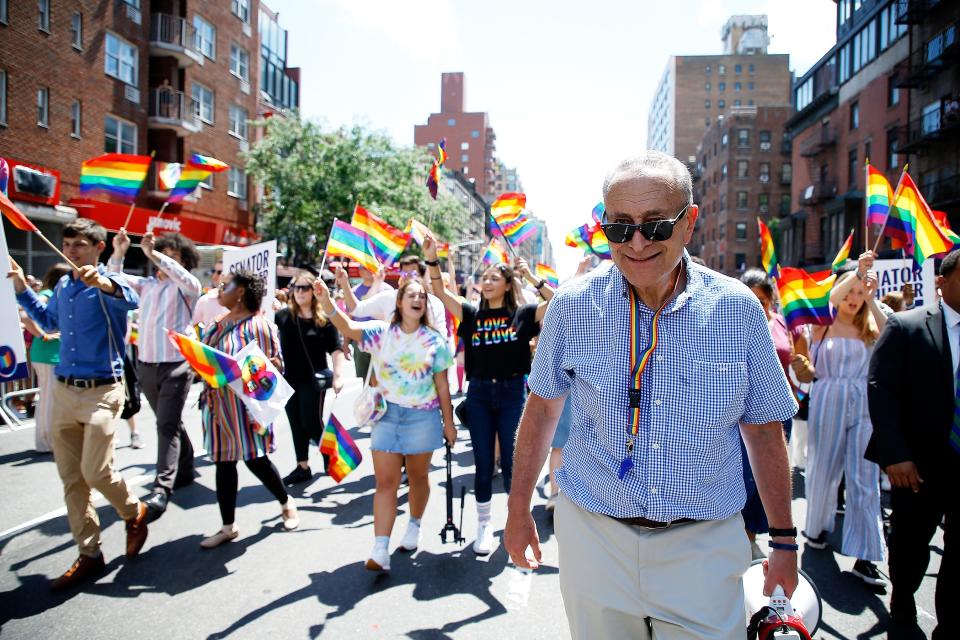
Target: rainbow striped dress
x,y
229,434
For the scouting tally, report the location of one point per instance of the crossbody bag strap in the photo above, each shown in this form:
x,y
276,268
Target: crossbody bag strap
x,y
303,343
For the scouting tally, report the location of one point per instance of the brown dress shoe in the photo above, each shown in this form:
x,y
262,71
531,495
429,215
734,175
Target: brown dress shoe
x,y
137,530
83,569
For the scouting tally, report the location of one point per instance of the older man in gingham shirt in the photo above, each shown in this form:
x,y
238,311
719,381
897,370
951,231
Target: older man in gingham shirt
x,y
651,539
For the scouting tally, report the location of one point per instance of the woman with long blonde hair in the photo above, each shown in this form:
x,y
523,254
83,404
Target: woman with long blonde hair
x,y
840,426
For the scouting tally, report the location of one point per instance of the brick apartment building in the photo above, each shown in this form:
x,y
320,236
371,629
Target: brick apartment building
x,y
743,172
848,107
930,78
471,141
696,90
79,78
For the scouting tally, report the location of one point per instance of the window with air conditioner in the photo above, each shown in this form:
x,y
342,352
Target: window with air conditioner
x,y
238,121
203,101
120,59
120,136
241,9
763,202
239,62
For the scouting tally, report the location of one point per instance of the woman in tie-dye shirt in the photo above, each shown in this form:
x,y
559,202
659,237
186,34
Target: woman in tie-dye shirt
x,y
410,362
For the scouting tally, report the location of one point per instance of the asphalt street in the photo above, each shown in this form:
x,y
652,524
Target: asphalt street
x,y
311,582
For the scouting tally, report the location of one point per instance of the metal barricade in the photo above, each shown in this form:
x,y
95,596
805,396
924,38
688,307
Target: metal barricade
x,y
12,419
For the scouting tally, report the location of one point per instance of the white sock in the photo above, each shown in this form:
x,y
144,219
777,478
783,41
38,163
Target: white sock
x,y
415,521
381,542
483,512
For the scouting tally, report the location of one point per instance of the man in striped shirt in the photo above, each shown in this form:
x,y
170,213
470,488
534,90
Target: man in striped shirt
x,y
167,300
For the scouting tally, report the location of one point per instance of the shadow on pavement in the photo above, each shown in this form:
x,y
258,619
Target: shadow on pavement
x,y
22,458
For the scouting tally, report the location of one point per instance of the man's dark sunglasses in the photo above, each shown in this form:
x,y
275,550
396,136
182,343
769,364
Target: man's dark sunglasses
x,y
654,230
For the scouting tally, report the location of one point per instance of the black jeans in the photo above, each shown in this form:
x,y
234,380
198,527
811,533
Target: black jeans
x,y
493,413
227,481
304,411
166,386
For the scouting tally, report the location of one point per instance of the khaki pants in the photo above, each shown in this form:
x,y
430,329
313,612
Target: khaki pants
x,y
83,429
620,581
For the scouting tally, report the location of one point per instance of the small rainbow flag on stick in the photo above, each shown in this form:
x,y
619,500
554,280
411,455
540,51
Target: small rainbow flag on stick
x,y
343,451
116,174
844,252
590,238
192,174
768,256
215,367
417,230
912,222
210,164
349,242
388,241
433,178
879,196
804,300
546,272
15,216
495,253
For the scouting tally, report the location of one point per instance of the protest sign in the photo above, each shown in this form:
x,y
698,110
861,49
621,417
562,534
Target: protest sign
x,y
261,259
893,274
261,387
13,352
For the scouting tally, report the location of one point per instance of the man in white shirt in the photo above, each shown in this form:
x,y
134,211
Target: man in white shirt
x,y
208,309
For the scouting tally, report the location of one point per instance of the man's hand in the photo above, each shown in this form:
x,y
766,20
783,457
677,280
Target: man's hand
x,y
146,244
16,274
92,278
520,533
904,475
780,569
121,244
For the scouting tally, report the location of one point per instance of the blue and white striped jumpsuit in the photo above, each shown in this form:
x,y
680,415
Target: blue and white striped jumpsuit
x,y
839,429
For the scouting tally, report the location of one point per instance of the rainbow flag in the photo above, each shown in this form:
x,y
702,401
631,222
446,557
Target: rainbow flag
x,y
191,175
912,222
507,208
343,451
433,178
388,241
844,252
803,299
417,230
590,237
116,174
209,163
349,242
443,250
15,216
167,175
546,272
518,231
768,256
599,243
879,196
597,213
215,367
495,253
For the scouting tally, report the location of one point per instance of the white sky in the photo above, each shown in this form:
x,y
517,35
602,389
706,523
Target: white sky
x,y
567,84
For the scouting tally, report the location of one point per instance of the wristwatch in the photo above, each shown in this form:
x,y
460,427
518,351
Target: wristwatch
x,y
432,263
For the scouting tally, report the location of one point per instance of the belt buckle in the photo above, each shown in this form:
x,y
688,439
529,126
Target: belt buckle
x,y
83,383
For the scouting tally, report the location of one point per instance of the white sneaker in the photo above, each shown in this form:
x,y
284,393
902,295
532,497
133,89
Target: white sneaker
x,y
379,560
483,545
411,539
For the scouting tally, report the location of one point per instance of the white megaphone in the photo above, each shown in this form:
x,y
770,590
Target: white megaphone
x,y
776,616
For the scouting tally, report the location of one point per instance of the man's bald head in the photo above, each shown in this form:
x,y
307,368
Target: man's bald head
x,y
655,165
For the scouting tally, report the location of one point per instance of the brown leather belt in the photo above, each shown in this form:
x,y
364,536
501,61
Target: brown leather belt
x,y
653,524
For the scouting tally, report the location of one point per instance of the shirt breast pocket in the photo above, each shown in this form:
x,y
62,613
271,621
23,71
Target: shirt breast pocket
x,y
718,391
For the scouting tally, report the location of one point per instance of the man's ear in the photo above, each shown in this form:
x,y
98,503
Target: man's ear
x,y
693,212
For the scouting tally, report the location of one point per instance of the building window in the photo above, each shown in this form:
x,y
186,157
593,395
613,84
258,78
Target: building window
x,y
241,9
723,140
203,99
930,118
743,137
721,68
119,135
43,107
466,170
741,260
741,232
474,134
205,37
3,11
706,122
75,117
741,199
120,60
893,160
464,158
751,68
207,183
867,148
743,168
749,86
240,62
854,116
765,138
764,170
852,169
721,87
736,103
738,68
893,92
763,202
43,15
737,86
784,204
3,96
452,122
707,69
706,104
464,146
237,183
723,176
238,121
76,28
721,104
786,173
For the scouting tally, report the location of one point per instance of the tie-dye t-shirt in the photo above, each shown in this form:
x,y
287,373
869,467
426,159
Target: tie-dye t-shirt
x,y
404,363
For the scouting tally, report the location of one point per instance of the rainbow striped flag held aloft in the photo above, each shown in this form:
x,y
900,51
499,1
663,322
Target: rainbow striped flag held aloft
x,y
209,163
879,196
115,174
495,253
803,299
343,451
15,216
349,242
912,223
546,272
215,367
517,232
433,177
417,230
508,208
388,241
597,213
844,252
190,178
768,256
590,238
443,250
168,173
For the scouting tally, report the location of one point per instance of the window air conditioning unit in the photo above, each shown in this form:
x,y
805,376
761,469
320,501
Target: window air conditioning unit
x,y
131,93
134,14
764,146
764,178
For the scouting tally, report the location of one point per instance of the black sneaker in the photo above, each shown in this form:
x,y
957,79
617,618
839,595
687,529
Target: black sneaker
x,y
820,542
298,475
867,571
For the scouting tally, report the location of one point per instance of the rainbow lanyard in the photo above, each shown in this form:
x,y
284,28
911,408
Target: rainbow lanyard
x,y
637,367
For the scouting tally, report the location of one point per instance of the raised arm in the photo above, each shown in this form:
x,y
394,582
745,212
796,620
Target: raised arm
x,y
349,298
121,244
346,326
185,281
872,283
540,285
450,302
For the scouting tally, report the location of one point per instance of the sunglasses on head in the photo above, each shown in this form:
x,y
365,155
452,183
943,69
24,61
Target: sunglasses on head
x,y
653,230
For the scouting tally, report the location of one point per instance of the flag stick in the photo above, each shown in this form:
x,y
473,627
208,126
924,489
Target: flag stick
x,y
59,253
126,222
866,186
505,238
896,194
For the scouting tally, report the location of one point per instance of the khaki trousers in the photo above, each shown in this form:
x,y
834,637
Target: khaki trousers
x,y
83,429
620,581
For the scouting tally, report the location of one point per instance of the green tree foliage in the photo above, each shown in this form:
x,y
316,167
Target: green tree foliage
x,y
311,176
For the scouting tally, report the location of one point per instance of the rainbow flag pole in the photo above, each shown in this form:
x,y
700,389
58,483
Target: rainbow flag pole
x,y
134,201
20,221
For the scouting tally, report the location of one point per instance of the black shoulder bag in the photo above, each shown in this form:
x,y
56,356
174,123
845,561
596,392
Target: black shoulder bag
x,y
322,379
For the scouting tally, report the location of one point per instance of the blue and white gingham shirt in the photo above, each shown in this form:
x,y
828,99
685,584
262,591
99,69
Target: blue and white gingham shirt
x,y
714,367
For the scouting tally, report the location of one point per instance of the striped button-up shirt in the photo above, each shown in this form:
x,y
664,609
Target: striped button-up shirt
x,y
164,304
714,367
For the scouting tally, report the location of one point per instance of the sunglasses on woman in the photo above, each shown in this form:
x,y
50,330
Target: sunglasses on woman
x,y
302,288
653,230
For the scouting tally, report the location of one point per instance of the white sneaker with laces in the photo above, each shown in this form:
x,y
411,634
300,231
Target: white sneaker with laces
x,y
483,545
379,559
411,539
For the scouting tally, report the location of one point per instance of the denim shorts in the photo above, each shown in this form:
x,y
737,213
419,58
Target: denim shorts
x,y
407,431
